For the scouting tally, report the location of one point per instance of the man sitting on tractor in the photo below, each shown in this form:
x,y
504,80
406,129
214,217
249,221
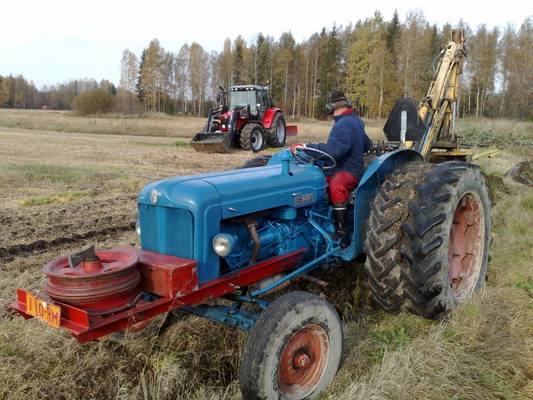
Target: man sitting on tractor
x,y
347,142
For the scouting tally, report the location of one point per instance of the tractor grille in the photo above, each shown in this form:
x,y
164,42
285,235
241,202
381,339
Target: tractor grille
x,y
166,230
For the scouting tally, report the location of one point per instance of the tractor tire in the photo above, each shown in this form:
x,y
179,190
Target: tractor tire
x,y
293,351
384,235
277,133
447,238
252,137
428,238
260,161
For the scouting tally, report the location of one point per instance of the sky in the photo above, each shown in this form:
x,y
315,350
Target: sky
x,y
58,40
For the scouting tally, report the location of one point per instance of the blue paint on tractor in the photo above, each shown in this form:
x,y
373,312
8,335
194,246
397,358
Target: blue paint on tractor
x,y
232,316
181,216
366,191
285,201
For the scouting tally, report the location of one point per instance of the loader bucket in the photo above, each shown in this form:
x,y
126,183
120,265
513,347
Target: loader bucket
x,y
212,142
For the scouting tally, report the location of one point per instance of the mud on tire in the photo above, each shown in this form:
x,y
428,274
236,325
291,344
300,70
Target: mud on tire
x,y
428,238
293,351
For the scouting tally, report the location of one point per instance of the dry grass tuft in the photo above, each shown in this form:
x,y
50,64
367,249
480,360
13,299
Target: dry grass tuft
x,y
484,352
49,364
63,197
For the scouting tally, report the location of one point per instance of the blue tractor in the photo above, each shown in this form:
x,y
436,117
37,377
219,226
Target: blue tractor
x,y
424,228
215,244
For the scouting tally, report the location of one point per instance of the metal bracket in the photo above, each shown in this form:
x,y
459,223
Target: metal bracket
x,y
241,319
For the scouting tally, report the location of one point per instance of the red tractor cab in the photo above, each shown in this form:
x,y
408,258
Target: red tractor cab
x,y
245,118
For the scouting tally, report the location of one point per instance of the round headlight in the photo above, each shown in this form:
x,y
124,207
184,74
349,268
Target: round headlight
x,y
222,244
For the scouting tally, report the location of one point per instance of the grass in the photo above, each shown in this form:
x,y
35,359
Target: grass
x,y
481,356
56,173
61,121
62,197
483,351
146,125
391,335
181,143
497,133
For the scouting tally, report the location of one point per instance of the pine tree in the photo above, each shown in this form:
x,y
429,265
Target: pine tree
x,y
263,59
328,67
140,86
239,46
392,37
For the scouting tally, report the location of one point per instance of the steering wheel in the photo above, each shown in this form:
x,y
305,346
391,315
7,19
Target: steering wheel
x,y
321,155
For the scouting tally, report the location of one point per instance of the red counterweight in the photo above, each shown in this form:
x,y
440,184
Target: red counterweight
x,y
107,283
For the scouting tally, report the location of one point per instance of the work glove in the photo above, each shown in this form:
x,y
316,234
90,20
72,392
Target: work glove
x,y
295,145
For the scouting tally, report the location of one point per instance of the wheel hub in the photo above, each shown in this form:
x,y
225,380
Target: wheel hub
x,y
280,131
256,140
303,361
465,249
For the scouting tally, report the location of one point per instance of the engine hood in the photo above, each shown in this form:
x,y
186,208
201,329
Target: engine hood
x,y
239,192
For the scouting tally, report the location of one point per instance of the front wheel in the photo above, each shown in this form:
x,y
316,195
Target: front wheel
x,y
252,137
293,351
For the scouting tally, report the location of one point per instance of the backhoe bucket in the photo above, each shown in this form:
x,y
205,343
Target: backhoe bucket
x,y
212,142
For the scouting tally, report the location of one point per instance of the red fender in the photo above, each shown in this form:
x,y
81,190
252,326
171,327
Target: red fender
x,y
269,117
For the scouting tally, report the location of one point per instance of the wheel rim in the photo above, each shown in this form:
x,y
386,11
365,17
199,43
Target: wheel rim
x,y
256,140
466,245
280,131
303,362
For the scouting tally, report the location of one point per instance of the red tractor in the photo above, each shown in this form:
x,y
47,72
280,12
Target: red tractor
x,y
249,120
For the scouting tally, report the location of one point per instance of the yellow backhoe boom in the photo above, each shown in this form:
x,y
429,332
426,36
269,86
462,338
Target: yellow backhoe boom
x,y
436,109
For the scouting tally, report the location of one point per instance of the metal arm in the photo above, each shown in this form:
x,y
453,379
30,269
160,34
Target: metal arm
x,y
436,109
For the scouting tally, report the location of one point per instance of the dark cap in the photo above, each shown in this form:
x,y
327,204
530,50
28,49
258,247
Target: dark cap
x,y
336,96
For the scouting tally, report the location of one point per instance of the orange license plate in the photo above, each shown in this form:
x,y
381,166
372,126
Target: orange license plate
x,y
49,313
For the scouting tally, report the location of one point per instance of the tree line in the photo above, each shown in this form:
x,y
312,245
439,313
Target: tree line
x,y
375,61
17,92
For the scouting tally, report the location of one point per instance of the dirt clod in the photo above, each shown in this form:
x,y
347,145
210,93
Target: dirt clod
x,y
522,173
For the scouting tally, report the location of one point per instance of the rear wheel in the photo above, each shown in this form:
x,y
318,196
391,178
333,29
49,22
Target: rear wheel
x,y
277,134
252,137
447,237
384,235
293,351
428,238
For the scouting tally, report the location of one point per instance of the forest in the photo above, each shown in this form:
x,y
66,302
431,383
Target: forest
x,y
375,61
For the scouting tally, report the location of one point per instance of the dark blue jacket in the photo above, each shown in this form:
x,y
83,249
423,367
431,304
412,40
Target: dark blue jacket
x,y
347,142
